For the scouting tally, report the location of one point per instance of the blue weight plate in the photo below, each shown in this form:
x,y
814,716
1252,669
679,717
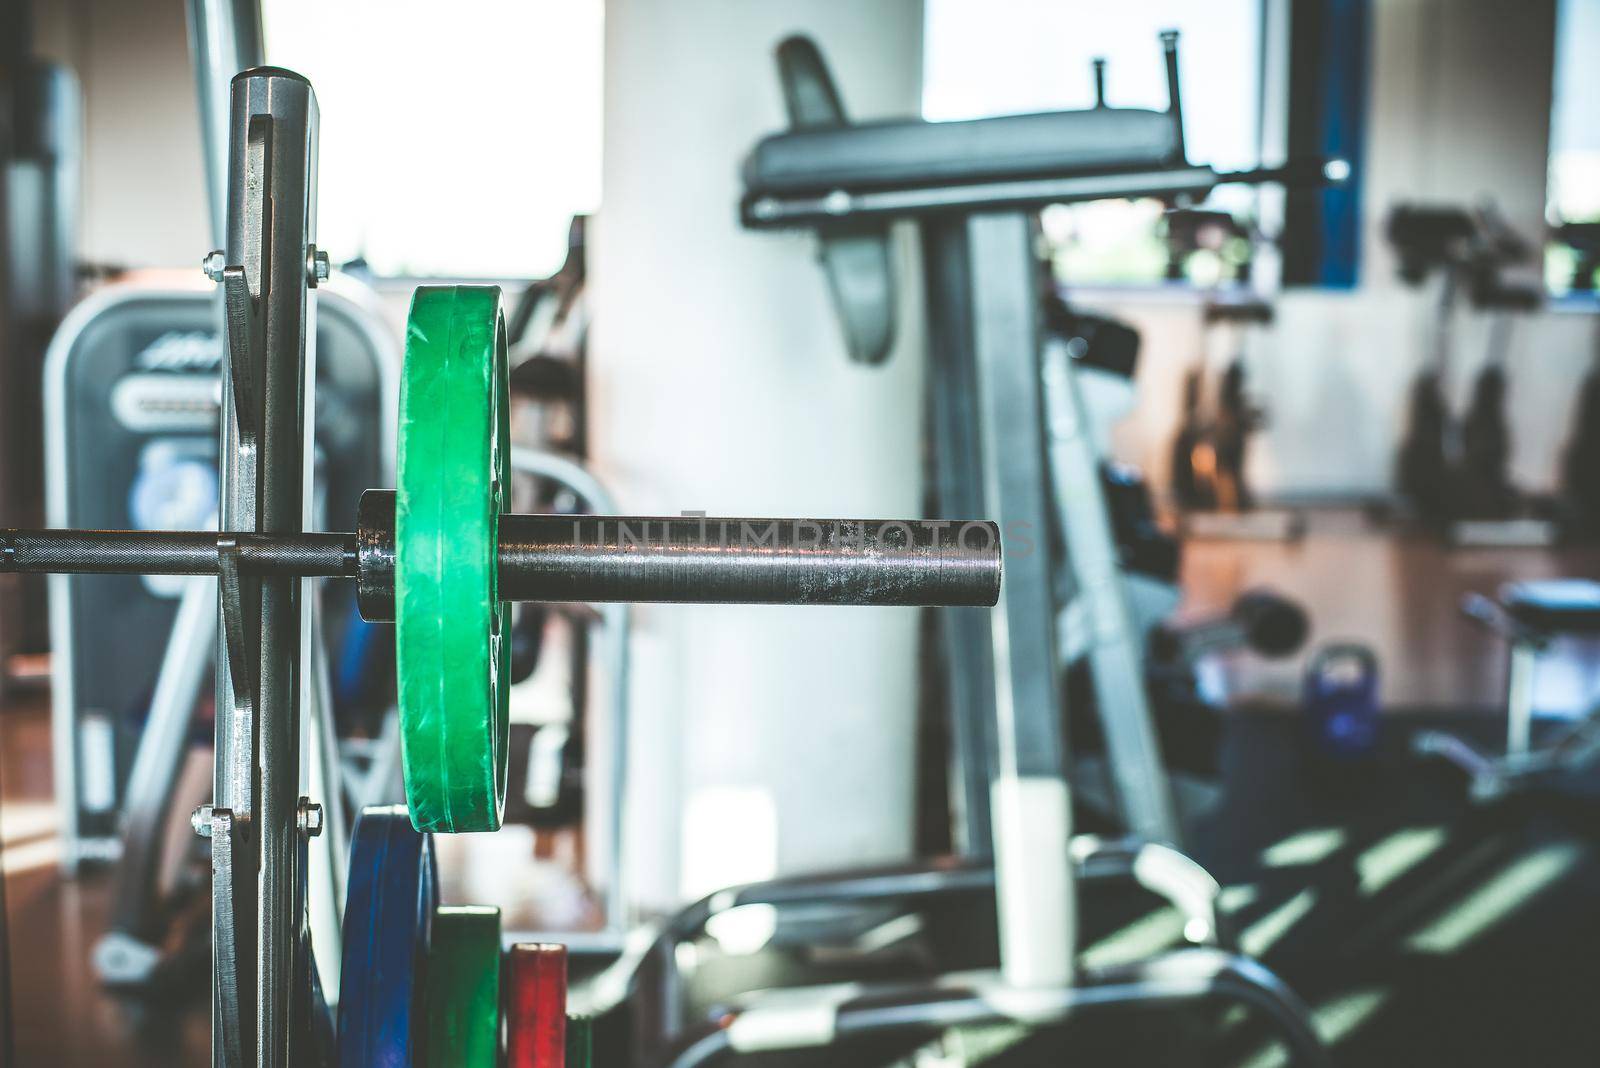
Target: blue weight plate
x,y
391,894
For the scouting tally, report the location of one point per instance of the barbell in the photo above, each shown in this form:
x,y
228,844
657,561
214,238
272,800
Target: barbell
x,y
441,556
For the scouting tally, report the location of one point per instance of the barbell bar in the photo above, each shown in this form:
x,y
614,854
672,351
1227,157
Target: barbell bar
x,y
666,559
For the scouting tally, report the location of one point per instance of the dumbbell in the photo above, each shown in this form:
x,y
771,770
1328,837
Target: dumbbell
x,y
1260,620
441,557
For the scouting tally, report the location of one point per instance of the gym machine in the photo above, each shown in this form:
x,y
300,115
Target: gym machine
x,y
1453,474
1583,238
1208,477
1210,482
1528,617
131,416
1012,439
1103,356
439,556
41,119
1208,453
1580,462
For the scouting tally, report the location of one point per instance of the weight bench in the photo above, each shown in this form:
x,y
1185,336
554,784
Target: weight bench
x,y
1529,616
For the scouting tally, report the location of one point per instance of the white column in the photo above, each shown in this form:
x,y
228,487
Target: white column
x,y
765,740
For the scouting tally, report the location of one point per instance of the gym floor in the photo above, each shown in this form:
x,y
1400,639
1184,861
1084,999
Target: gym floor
x,y
1421,932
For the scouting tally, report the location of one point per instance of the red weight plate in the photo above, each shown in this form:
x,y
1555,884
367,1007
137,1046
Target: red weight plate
x,y
535,986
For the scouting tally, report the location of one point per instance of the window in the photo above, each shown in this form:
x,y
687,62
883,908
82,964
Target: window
x,y
1036,55
458,140
1574,195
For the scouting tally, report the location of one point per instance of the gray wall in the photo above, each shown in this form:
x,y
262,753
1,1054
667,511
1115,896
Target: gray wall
x,y
144,196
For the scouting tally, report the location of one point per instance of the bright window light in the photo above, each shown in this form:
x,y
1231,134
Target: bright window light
x,y
1008,56
458,140
1011,56
1574,191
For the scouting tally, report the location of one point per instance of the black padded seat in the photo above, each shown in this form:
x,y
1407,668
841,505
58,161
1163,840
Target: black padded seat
x,y
911,152
1555,606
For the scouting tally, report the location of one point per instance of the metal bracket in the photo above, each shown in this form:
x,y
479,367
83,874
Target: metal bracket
x,y
241,618
243,351
231,983
258,911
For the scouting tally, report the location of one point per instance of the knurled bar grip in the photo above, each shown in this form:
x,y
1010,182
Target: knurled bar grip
x,y
750,561
589,558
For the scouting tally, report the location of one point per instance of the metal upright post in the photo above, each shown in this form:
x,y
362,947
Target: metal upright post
x,y
1115,645
256,825
1523,661
224,39
1030,799
962,299
958,488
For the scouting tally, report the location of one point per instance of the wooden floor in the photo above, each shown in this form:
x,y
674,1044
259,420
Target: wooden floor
x,y
1396,594
60,1015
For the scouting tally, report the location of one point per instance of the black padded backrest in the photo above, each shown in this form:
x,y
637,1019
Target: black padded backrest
x,y
856,262
809,94
911,152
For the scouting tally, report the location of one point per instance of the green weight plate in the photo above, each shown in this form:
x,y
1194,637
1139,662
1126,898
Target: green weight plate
x,y
463,988
451,629
580,1042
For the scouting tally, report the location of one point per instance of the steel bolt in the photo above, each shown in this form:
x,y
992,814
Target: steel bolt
x,y
213,264
317,266
310,818
200,820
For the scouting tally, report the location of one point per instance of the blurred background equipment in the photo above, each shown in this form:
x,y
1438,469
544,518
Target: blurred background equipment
x,y
132,417
40,192
1235,667
1013,435
1342,700
1454,472
1528,617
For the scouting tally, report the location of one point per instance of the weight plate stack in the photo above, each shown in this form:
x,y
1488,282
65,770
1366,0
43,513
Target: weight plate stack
x,y
392,891
464,987
451,629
